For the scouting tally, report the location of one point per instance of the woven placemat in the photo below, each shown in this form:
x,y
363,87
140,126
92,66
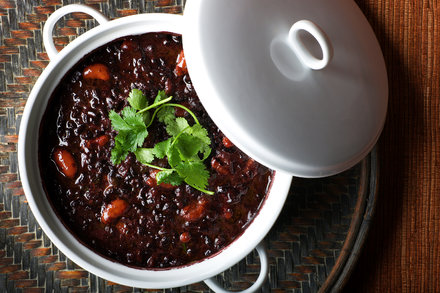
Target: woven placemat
x,y
311,247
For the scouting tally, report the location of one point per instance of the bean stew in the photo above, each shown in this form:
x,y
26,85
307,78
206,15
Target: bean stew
x,y
119,210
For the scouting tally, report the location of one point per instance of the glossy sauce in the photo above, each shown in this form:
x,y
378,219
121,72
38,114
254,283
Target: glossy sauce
x,y
120,211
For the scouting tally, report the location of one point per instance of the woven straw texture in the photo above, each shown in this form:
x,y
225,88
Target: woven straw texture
x,y
308,247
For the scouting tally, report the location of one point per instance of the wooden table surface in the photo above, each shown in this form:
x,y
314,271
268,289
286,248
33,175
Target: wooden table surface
x,y
402,251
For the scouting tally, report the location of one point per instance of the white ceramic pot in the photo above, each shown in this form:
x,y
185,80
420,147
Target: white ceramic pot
x,y
60,63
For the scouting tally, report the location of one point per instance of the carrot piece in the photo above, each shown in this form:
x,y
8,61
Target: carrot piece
x,y
96,71
65,162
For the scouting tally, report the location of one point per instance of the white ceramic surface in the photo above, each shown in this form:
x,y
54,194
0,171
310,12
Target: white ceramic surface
x,y
246,69
51,224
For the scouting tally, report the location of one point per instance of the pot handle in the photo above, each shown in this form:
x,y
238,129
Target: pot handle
x,y
264,269
59,13
302,52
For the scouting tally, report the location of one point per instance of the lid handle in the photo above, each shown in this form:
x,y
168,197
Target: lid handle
x,y
300,49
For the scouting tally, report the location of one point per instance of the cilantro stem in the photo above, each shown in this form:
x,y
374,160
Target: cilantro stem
x,y
172,105
202,190
157,167
186,109
154,115
155,105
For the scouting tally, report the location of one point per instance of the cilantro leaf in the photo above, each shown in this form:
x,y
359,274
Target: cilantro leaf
x,y
160,150
118,123
160,97
183,149
137,99
198,131
135,138
173,156
188,146
194,173
177,126
166,114
201,133
146,116
168,176
118,153
133,119
131,133
144,155
130,141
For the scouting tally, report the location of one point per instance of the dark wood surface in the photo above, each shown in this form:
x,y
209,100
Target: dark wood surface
x,y
402,252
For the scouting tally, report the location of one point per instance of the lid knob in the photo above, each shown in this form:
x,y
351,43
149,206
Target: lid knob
x,y
300,49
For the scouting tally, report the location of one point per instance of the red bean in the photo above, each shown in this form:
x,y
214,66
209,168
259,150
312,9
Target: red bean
x,y
96,71
113,211
65,162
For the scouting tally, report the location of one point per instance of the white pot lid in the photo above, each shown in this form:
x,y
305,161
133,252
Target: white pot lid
x,y
256,81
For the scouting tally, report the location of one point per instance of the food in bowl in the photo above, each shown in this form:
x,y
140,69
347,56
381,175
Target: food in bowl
x,y
108,194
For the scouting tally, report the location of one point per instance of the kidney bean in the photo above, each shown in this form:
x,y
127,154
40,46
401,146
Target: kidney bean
x,y
122,227
179,112
96,71
250,168
217,166
227,213
194,211
169,87
65,162
113,211
150,182
100,140
227,143
129,45
153,176
181,68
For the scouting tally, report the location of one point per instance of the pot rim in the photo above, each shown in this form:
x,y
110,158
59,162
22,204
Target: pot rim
x,y
52,225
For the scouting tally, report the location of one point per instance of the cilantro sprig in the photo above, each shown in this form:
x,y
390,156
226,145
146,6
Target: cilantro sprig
x,y
186,148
